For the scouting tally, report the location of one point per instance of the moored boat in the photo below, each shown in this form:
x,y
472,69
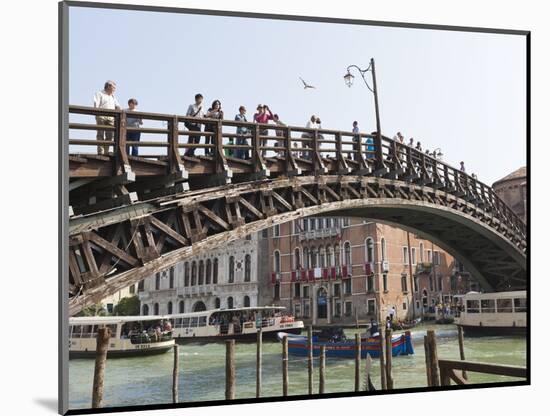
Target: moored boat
x,y
130,335
345,348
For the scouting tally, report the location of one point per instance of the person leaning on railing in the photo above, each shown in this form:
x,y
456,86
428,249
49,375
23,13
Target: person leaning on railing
x,y
105,99
241,131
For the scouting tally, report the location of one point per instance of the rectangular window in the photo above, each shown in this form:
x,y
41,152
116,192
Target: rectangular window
x,y
347,286
370,284
306,309
132,289
276,230
347,308
110,307
405,256
385,282
431,283
337,309
371,306
297,310
488,306
296,290
429,256
404,306
472,306
404,283
520,305
413,255
504,305
437,258
306,292
337,289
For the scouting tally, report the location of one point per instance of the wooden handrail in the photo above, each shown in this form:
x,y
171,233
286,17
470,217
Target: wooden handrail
x,y
453,369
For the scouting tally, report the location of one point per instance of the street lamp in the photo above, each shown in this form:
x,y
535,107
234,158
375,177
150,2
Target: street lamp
x,y
349,78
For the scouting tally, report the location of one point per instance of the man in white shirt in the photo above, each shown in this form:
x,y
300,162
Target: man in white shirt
x,y
194,110
105,99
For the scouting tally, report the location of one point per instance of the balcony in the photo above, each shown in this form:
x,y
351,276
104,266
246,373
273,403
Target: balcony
x,y
424,267
317,234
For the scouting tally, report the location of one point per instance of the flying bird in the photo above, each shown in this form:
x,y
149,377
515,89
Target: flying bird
x,y
306,85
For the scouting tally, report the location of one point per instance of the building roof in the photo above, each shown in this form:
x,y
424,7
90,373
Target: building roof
x,y
517,174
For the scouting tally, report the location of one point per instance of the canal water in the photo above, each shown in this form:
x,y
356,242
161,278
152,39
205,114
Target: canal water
x,y
148,380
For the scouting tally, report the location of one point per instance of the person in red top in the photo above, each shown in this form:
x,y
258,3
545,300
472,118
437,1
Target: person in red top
x,y
263,116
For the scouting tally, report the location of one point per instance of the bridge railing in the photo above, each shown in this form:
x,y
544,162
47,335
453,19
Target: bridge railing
x,y
175,140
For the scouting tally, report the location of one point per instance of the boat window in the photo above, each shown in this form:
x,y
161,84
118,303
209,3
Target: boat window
x,y
178,323
488,306
520,305
113,330
504,305
185,322
202,321
472,306
194,321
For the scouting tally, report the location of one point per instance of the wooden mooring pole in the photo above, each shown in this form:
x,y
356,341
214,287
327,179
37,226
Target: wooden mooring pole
x,y
259,363
230,369
389,377
432,357
357,362
322,370
102,346
285,366
461,349
383,384
310,360
175,373
427,359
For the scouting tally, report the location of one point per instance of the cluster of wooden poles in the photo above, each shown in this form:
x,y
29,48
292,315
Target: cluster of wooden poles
x,y
386,377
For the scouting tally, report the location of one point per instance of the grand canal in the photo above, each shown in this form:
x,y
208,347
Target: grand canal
x,y
148,380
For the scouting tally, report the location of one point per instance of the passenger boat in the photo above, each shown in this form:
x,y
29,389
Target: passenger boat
x,y
336,345
499,313
236,323
130,335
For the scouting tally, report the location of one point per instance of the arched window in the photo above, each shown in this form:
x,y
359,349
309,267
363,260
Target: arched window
x,y
156,309
297,262
157,281
369,250
337,255
231,269
171,279
421,248
169,308
217,303
313,257
383,249
181,307
208,271
306,258
247,267
201,272
276,261
330,256
145,310
194,273
347,253
322,256
215,271
230,302
186,273
246,301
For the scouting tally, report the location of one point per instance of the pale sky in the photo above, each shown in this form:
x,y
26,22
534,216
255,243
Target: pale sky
x,y
462,92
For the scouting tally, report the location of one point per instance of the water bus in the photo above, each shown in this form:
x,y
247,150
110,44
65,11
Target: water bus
x,y
499,313
130,335
236,323
338,346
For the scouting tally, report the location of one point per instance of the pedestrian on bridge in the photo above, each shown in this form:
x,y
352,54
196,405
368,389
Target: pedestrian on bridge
x,y
194,110
241,131
135,122
215,112
263,116
462,167
105,99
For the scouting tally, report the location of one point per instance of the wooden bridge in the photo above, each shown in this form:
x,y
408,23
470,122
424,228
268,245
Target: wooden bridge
x,y
133,215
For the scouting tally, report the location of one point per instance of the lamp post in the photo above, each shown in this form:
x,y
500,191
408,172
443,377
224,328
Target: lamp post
x,y
349,78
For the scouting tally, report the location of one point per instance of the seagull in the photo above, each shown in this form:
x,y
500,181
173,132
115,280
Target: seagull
x,y
306,85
